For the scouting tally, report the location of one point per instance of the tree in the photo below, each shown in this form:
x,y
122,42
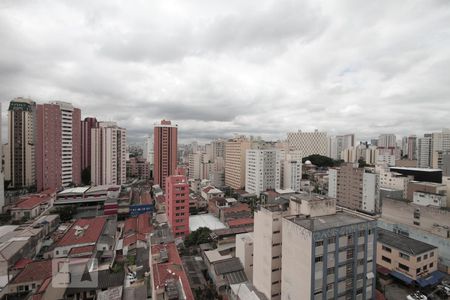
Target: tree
x,y
65,213
197,237
86,176
321,161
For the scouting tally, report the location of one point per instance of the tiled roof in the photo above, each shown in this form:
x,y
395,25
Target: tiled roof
x,y
133,239
35,271
32,201
236,208
83,249
240,222
22,263
173,269
89,231
140,224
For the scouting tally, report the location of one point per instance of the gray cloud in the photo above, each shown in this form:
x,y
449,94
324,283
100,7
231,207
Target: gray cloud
x,y
222,67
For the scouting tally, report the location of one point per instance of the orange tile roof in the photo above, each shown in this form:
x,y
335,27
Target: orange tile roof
x,y
83,249
34,271
32,201
240,222
94,228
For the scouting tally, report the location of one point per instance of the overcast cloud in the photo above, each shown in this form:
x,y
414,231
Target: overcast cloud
x,y
222,67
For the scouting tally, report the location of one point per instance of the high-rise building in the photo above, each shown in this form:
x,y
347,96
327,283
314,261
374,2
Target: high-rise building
x,y
424,152
235,152
2,169
339,143
267,248
292,171
404,146
20,155
195,165
108,154
308,142
355,188
165,143
262,170
177,204
148,151
330,256
387,141
58,145
86,126
412,147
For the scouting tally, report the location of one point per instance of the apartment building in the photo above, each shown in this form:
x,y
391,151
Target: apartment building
x,y
309,143
235,153
177,204
165,143
262,170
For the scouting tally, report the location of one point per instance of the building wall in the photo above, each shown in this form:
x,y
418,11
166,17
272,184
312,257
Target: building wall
x,y
267,252
86,125
392,180
235,153
308,142
292,171
177,204
262,170
424,152
165,151
427,199
244,251
76,146
390,258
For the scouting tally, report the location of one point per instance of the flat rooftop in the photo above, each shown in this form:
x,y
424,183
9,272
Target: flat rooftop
x,y
341,218
416,169
403,243
76,190
205,220
304,196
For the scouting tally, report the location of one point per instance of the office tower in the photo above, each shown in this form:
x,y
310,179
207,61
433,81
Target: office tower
x,y
404,146
86,126
355,188
328,256
108,154
20,155
292,171
387,141
165,143
235,152
218,149
2,169
58,145
177,204
412,147
308,142
195,165
424,151
267,247
339,143
262,170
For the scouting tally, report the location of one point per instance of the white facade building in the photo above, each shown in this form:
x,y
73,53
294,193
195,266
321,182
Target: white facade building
x,y
429,199
394,181
108,154
424,151
308,142
385,159
292,171
262,170
149,151
339,143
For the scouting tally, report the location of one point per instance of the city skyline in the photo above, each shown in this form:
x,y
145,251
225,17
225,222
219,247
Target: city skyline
x,y
233,68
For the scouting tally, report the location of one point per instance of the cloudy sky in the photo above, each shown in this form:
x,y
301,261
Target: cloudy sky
x,y
222,67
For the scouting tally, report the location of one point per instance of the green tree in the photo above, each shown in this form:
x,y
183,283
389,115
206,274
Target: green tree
x,y
197,237
322,161
65,213
86,176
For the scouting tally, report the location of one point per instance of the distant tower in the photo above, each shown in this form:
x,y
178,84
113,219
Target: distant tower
x,y
2,177
165,143
177,204
86,129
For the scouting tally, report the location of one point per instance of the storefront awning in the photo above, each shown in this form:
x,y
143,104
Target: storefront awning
x,y
432,279
402,277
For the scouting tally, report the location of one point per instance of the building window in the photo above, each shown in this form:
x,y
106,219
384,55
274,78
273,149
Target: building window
x,y
319,258
417,270
416,223
330,271
276,282
387,249
431,254
404,256
425,256
419,258
319,243
275,232
386,259
332,240
403,267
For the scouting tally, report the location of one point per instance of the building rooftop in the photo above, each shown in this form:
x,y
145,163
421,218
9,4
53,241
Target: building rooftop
x,y
83,231
232,270
215,256
205,220
341,218
82,250
403,243
34,271
31,201
304,196
75,191
240,222
102,189
416,169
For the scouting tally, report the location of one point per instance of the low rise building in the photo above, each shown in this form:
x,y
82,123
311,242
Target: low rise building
x,y
210,192
244,251
409,260
31,206
425,187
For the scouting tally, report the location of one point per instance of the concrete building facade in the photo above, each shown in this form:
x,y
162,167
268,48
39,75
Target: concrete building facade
x,y
424,150
355,188
108,154
177,204
20,156
235,155
86,126
309,143
165,143
262,170
244,251
291,171
339,143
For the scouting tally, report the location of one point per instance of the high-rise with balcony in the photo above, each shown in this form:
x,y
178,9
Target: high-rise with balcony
x,y
165,143
177,204
108,154
86,126
235,153
20,154
58,145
